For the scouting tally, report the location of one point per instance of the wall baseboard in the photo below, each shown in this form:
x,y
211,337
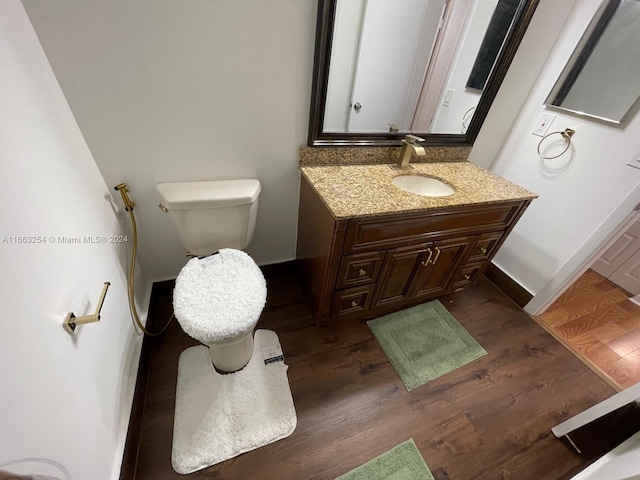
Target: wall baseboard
x,y
508,285
130,455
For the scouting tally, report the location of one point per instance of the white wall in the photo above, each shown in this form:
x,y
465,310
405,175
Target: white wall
x,y
538,41
578,191
174,91
65,399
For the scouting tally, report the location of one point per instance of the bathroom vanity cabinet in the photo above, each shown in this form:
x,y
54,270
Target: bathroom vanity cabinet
x,y
367,266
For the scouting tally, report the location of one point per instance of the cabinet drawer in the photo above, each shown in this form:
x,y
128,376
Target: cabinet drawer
x,y
359,269
485,246
383,232
467,274
351,300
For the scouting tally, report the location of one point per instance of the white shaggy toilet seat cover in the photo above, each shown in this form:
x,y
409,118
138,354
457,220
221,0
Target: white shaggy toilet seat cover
x,y
219,297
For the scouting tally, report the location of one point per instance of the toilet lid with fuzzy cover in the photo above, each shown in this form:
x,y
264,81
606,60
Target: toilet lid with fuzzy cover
x,y
220,296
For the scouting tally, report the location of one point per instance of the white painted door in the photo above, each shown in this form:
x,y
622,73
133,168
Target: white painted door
x,y
628,275
621,262
449,37
395,47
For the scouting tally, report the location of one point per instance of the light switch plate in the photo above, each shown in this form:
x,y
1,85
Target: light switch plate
x,y
447,97
542,127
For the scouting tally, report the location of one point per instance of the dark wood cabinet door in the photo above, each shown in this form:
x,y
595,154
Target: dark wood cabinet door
x,y
399,268
438,274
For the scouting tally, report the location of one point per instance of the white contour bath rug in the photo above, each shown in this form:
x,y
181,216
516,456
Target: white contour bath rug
x,y
218,417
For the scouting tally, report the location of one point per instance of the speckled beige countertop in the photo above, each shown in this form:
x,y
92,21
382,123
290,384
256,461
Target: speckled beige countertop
x,y
365,190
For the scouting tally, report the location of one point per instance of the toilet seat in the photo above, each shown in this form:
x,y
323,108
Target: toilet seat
x,y
219,297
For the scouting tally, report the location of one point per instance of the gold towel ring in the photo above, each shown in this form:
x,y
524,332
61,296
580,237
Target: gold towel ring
x,y
567,133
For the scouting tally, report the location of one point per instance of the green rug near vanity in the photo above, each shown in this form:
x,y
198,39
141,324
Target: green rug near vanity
x,y
403,462
424,342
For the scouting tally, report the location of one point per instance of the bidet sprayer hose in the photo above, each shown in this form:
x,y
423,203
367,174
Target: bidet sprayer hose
x,y
122,188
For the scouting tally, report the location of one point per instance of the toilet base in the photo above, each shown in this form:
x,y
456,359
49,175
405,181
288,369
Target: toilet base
x,y
232,355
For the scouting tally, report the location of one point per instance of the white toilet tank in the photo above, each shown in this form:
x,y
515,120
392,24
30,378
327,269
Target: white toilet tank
x,y
212,215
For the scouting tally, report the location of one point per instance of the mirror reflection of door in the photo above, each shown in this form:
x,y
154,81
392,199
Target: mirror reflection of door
x,y
447,42
404,63
396,43
381,50
454,101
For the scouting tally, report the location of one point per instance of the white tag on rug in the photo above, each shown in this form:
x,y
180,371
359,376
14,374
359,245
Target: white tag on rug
x,y
272,353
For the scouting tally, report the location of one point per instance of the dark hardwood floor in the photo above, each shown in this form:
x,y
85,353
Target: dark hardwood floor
x,y
490,419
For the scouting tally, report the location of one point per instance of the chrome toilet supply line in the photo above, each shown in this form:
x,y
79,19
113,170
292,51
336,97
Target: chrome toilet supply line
x,y
71,321
567,133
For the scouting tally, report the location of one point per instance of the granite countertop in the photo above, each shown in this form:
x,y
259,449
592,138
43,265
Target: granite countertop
x,y
364,190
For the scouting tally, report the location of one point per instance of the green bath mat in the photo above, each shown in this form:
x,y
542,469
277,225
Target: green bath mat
x,y
403,462
424,342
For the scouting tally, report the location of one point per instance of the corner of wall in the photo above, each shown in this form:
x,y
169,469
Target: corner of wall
x,y
530,59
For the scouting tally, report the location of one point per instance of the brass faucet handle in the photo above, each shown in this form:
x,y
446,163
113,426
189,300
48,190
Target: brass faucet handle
x,y
413,139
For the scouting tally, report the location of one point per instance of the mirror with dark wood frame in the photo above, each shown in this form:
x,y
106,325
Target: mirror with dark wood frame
x,y
507,23
600,80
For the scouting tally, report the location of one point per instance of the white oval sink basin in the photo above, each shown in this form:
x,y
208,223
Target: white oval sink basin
x,y
425,186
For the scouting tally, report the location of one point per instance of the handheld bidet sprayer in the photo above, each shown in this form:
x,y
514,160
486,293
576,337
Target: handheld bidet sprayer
x,y
124,193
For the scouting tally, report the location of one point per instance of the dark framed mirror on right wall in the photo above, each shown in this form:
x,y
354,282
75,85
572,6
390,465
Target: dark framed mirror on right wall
x,y
602,77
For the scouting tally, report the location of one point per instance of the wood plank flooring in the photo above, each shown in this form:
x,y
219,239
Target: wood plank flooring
x,y
490,419
597,320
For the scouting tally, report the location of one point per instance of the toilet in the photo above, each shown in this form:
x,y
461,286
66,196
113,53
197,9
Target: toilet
x,y
220,292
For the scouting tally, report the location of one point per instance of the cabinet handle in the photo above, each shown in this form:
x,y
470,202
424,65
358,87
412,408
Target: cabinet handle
x,y
483,250
437,255
354,303
467,277
361,272
428,260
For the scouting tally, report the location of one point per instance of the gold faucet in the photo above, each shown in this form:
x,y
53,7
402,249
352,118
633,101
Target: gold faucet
x,y
409,145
